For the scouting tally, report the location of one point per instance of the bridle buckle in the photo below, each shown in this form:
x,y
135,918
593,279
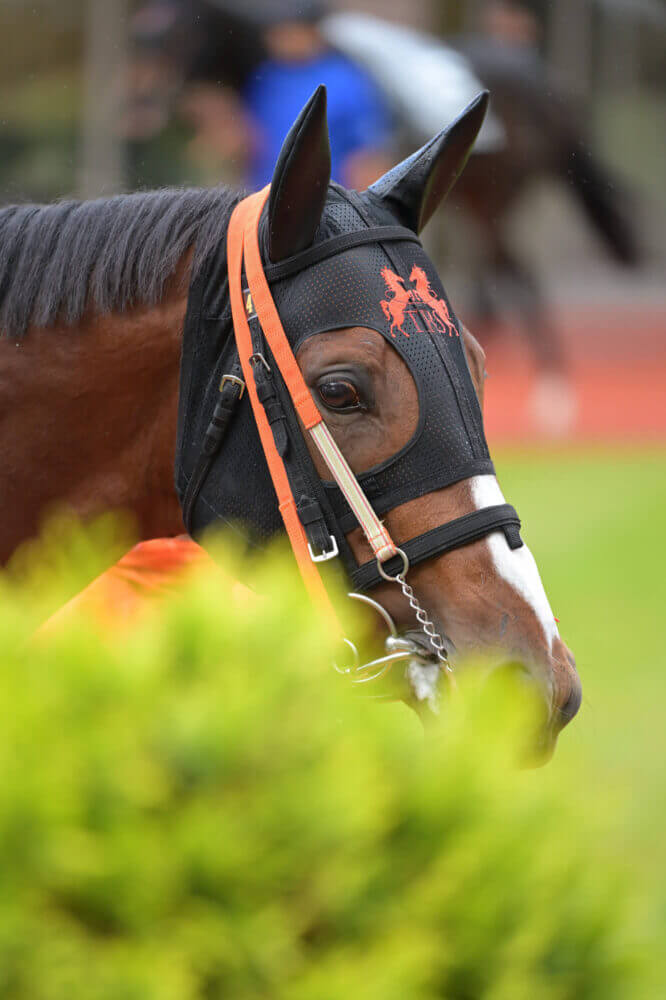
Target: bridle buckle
x,y
331,553
234,380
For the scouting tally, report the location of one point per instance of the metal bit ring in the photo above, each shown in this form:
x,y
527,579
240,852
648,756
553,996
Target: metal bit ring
x,y
398,576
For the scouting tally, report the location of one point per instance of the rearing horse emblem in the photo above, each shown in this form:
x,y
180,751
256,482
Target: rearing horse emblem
x,y
416,307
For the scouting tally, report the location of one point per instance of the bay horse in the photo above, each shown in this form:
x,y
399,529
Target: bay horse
x,y
94,299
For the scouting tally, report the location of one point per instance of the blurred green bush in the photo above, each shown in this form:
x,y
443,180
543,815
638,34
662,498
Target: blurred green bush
x,y
196,808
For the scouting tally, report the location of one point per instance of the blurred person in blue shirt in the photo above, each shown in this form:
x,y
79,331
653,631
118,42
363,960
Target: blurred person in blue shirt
x,y
298,60
239,72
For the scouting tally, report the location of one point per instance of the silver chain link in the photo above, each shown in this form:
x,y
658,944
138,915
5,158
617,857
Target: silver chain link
x,y
426,623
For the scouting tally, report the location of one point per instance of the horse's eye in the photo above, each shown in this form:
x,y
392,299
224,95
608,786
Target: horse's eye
x,y
339,394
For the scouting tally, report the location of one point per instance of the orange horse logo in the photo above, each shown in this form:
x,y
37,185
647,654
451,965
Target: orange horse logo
x,y
396,307
419,305
425,293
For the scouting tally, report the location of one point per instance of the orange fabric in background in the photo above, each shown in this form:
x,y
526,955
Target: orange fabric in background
x,y
148,571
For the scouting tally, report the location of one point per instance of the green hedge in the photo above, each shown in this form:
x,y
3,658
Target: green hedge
x,y
197,808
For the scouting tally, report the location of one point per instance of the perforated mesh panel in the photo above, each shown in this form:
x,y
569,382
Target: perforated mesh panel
x,y
339,217
348,290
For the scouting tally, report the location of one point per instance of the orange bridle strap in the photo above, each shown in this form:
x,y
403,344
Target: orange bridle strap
x,y
243,250
245,216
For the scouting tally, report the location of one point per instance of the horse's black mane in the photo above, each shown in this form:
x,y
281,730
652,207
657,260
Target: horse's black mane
x,y
110,254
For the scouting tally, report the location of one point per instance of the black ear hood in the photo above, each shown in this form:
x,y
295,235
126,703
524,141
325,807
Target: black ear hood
x,y
416,187
300,182
361,267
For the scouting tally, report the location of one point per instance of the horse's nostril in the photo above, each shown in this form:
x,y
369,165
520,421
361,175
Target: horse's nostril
x,y
569,709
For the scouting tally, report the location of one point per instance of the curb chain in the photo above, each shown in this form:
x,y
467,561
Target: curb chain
x,y
427,625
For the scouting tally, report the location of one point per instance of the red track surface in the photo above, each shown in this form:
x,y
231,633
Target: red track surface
x,y
618,368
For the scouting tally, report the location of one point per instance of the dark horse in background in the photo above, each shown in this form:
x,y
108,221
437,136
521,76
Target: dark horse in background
x,y
546,137
213,44
93,298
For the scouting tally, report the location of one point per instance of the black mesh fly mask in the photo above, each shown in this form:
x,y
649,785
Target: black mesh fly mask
x,y
363,270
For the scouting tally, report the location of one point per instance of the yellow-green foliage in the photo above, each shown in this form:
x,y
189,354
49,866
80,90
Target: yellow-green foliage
x,y
197,809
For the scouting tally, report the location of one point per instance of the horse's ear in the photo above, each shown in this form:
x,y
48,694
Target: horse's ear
x,y
300,181
415,188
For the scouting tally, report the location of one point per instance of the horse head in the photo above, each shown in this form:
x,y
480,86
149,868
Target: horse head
x,y
406,413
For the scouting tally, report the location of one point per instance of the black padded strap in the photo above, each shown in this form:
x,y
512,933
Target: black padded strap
x,y
336,245
312,518
462,531
267,395
232,387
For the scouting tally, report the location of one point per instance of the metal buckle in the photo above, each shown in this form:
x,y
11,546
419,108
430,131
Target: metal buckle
x,y
260,359
325,556
236,381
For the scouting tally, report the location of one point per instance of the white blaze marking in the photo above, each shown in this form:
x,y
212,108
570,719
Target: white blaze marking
x,y
516,566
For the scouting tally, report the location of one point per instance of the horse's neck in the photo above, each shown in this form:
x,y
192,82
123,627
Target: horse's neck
x,y
88,418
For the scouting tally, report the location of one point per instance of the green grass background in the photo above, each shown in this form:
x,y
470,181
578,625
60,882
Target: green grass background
x,y
596,523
